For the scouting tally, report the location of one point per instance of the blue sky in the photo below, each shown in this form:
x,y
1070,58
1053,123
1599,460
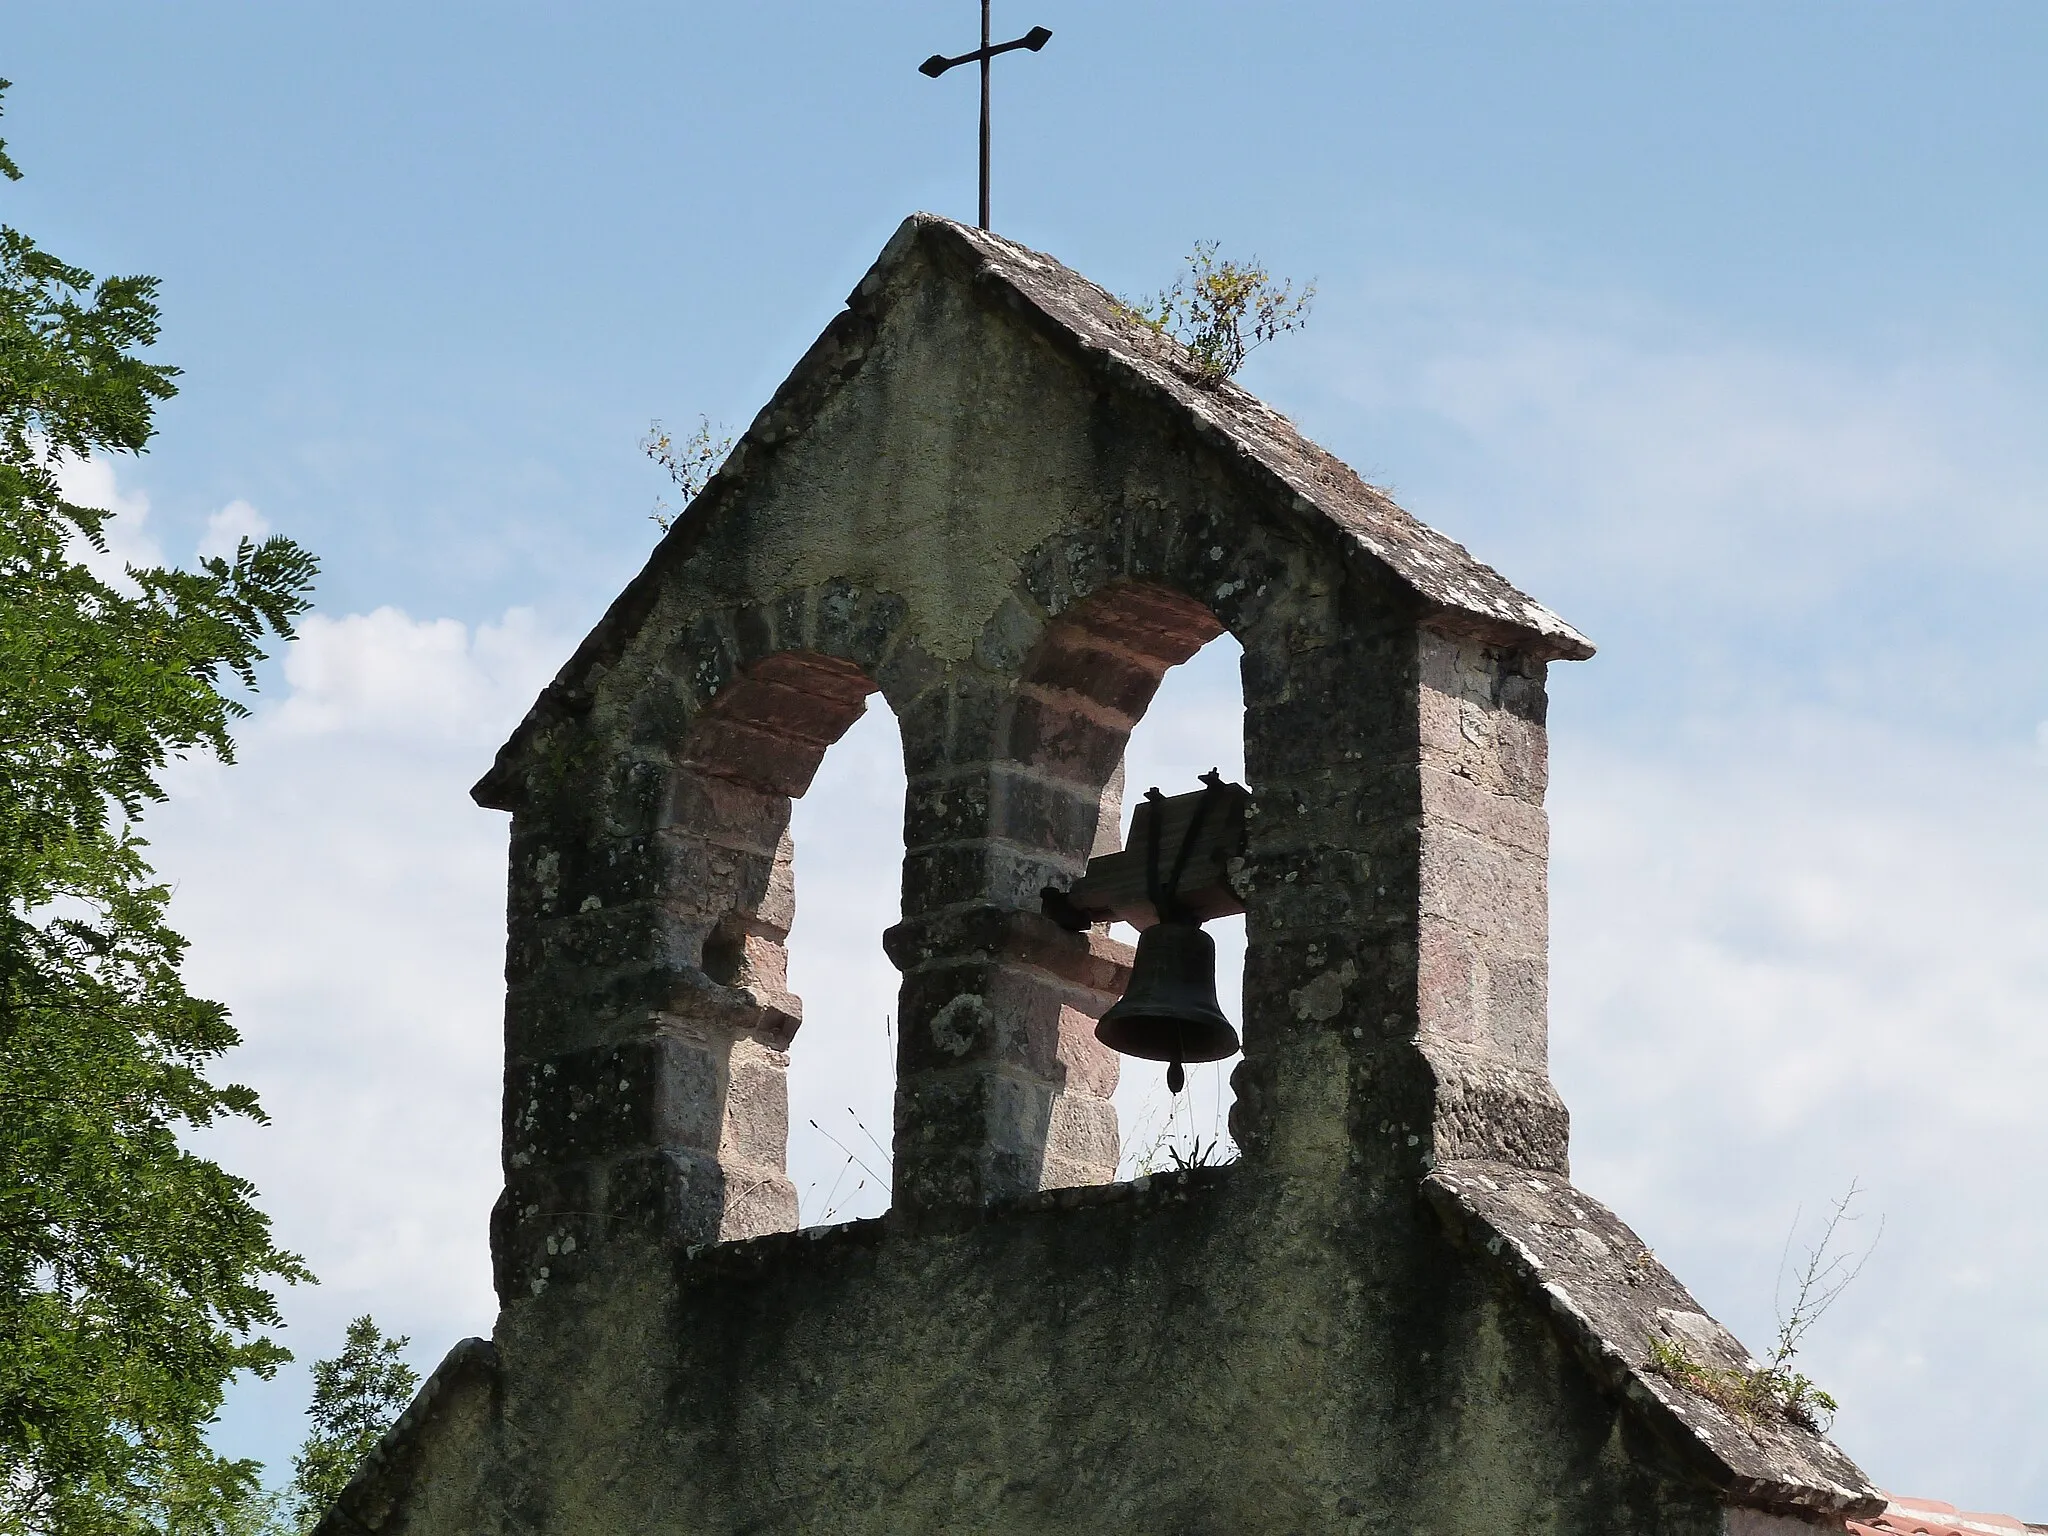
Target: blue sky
x,y
1721,328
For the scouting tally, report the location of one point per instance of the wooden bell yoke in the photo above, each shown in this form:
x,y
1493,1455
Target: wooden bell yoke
x,y
1193,870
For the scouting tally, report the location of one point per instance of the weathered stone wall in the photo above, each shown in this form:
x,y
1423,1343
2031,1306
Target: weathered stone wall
x,y
954,505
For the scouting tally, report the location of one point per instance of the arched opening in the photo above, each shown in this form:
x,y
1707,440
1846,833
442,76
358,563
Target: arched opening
x,y
1138,686
1194,722
848,835
750,815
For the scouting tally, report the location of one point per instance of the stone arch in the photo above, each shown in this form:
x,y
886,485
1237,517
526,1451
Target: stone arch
x,y
1194,722
1014,1096
1002,1087
649,1014
1082,690
754,750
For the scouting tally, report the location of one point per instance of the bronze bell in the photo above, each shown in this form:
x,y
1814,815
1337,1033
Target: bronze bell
x,y
1169,1011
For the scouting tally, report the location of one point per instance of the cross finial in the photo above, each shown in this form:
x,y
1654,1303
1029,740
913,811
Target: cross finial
x,y
938,64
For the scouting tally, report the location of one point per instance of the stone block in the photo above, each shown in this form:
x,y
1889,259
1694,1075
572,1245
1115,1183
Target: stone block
x,y
950,875
1075,665
725,813
560,1012
607,1101
1498,815
947,808
758,1201
1297,737
753,630
792,611
636,795
660,714
1015,1134
667,1193
1071,566
1009,636
775,912
948,1016
1061,743
1042,816
838,611
980,703
940,1136
765,759
1087,1067
707,878
571,869
1483,1107
908,673
865,637
1495,891
604,939
924,722
702,1010
756,1127
705,660
1081,1145
545,1228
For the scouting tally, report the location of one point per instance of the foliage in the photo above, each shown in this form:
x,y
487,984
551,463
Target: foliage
x,y
690,464
356,1397
1773,1389
1176,1132
1754,1394
829,1208
1220,311
133,1274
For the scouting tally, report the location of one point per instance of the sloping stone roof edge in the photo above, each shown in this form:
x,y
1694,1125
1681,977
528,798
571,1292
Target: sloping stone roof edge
x,y
1442,572
380,1485
1465,592
1609,1298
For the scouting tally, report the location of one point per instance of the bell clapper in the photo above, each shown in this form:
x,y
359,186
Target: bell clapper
x,y
1176,1074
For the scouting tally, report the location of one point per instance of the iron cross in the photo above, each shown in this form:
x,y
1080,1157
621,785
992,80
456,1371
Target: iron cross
x,y
938,64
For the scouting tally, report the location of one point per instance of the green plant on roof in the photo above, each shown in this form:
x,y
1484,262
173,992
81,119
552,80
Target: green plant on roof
x,y
1773,1390
690,464
1221,310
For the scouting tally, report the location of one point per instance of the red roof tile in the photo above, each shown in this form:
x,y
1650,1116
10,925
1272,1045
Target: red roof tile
x,y
1930,1517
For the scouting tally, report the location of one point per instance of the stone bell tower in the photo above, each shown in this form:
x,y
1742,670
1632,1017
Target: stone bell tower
x,y
988,496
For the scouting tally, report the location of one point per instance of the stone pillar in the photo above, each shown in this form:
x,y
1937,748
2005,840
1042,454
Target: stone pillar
x,y
1483,928
1002,1087
648,1014
1395,985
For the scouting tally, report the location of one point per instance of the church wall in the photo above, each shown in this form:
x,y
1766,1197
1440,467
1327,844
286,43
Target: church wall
x,y
1010,548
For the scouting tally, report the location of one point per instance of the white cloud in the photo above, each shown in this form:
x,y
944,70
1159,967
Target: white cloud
x,y
96,482
229,526
346,899
1812,952
129,540
1635,450
386,673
